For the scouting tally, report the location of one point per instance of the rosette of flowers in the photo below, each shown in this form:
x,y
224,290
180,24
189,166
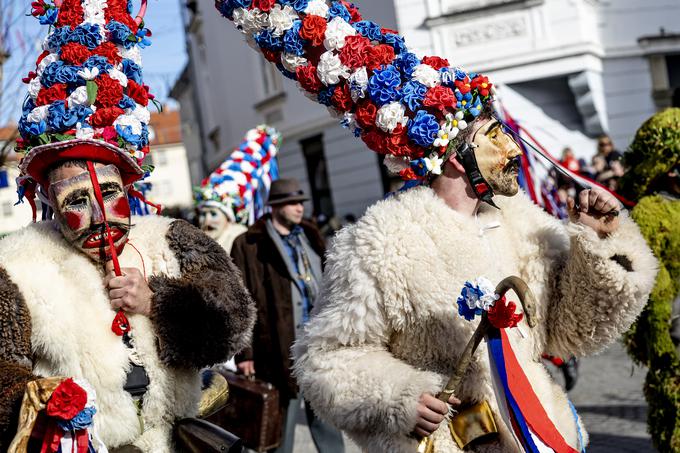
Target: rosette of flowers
x,y
87,83
240,186
479,297
402,106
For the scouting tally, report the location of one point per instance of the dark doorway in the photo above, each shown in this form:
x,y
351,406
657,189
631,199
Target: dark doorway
x,y
317,173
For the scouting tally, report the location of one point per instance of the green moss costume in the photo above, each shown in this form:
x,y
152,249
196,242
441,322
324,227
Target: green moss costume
x,y
653,153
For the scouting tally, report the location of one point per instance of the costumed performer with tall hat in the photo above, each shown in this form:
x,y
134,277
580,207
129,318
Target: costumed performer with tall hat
x,y
105,319
387,330
233,196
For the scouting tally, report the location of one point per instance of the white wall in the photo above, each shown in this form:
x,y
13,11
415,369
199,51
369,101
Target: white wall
x,y
171,182
13,217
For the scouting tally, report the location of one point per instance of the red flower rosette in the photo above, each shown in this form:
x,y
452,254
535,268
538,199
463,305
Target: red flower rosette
x,y
482,84
75,54
502,315
342,98
264,5
138,93
355,15
70,13
353,54
105,116
313,29
109,51
366,114
308,79
375,140
377,56
67,400
109,91
440,98
56,92
436,62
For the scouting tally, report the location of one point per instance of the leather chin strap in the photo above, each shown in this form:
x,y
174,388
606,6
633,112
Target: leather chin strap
x,y
466,157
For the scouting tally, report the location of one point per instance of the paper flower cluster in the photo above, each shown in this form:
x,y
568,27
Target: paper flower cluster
x,y
88,80
479,296
240,186
402,106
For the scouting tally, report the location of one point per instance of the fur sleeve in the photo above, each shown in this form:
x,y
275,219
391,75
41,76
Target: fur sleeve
x,y
343,364
206,315
15,356
599,289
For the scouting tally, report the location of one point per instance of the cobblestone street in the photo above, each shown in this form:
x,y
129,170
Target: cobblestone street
x,y
608,396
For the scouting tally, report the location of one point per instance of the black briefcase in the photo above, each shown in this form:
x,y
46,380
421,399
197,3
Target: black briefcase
x,y
193,435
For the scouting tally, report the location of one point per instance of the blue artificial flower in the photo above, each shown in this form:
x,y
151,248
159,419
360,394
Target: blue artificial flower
x,y
143,40
226,8
126,134
298,5
120,34
397,42
82,420
467,312
266,40
325,95
292,42
475,108
28,129
423,129
419,167
59,118
240,3
82,112
369,29
129,6
448,77
337,9
99,62
405,62
50,17
127,102
59,37
28,105
285,72
58,72
463,100
469,304
87,35
383,86
132,70
412,94
460,74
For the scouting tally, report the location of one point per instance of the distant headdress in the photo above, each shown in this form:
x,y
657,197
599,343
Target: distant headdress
x,y
400,105
240,186
86,98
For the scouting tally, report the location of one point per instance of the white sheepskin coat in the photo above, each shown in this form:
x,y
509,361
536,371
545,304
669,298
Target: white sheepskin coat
x,y
387,327
71,330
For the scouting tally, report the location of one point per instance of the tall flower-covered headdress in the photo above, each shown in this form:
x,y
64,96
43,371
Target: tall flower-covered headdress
x,y
86,98
400,105
240,186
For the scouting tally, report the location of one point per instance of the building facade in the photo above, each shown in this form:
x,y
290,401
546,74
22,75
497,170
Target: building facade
x,y
589,66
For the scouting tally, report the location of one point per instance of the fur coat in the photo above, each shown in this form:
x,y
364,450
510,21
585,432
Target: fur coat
x,y
55,320
387,327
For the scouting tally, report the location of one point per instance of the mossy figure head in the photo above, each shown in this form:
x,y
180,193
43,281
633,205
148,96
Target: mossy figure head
x,y
652,155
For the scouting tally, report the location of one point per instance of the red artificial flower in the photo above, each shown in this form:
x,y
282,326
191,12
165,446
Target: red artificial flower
x,y
376,56
313,29
436,62
439,98
271,55
308,79
105,116
38,8
109,91
375,140
70,13
75,54
110,135
31,75
482,84
109,51
67,400
20,143
407,174
264,5
353,54
354,14
342,98
56,92
41,57
139,93
463,85
386,31
365,114
502,315
117,10
397,142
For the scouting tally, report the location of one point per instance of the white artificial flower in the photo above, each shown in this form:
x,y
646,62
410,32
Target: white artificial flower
x,y
317,8
133,54
489,296
395,164
93,12
427,75
358,83
390,115
331,69
51,58
78,97
291,62
84,132
38,114
141,113
129,120
336,32
434,164
456,122
115,74
46,44
34,87
250,21
348,120
281,19
444,136
89,74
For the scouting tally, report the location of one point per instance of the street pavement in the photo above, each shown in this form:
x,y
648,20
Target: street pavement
x,y
608,397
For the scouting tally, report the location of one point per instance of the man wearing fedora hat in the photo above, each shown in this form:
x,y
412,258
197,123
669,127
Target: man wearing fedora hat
x,y
281,257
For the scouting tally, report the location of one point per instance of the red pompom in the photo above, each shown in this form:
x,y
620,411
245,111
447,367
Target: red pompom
x,y
271,55
109,91
375,140
313,29
353,54
365,114
342,98
67,400
502,315
308,79
436,62
105,116
355,16
439,98
379,55
139,93
407,174
70,13
56,92
75,54
109,51
264,5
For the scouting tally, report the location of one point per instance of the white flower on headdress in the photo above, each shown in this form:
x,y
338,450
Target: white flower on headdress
x,y
141,113
34,87
93,12
395,164
250,21
46,44
358,83
444,136
129,120
281,19
336,32
390,115
89,73
330,69
427,75
51,58
317,8
133,54
434,164
456,122
488,296
78,97
291,62
84,132
38,114
115,74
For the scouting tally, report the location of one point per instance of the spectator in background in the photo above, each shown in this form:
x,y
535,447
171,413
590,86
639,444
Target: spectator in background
x,y
605,148
570,161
